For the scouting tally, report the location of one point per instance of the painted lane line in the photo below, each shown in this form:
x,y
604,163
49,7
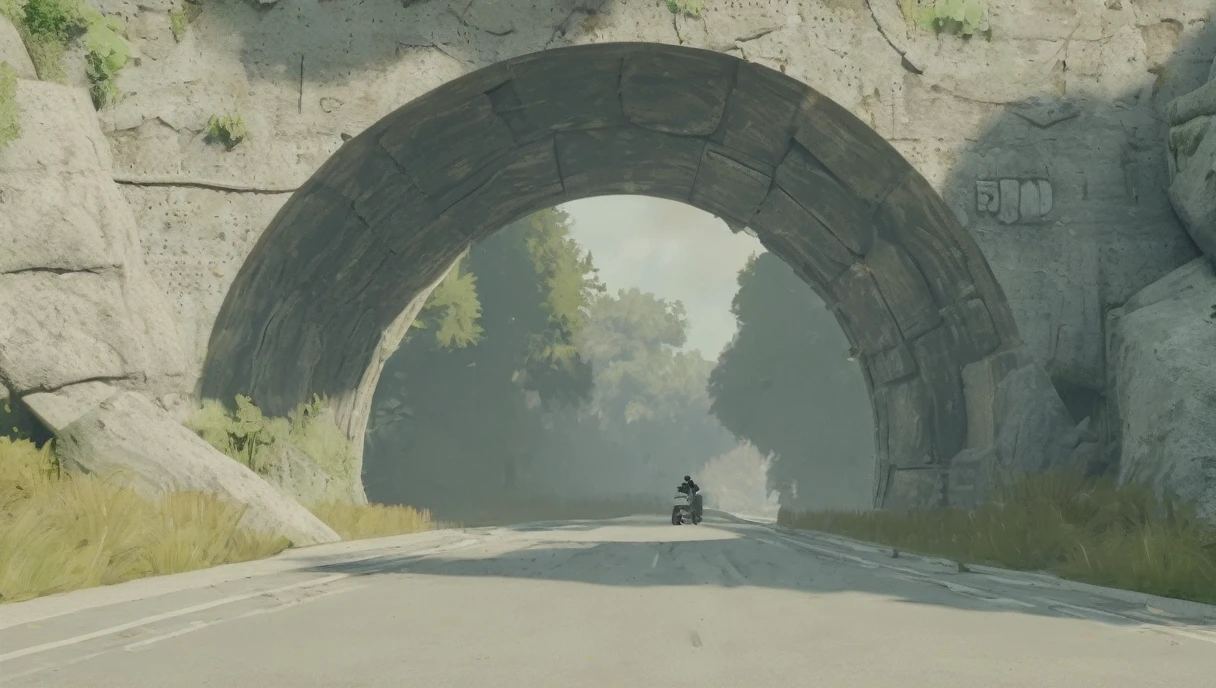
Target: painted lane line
x,y
45,667
200,625
35,649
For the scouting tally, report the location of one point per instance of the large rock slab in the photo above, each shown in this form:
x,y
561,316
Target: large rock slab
x,y
1161,353
76,301
1017,420
1192,158
12,50
106,431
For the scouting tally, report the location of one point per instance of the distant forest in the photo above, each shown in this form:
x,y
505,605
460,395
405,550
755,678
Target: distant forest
x,y
524,375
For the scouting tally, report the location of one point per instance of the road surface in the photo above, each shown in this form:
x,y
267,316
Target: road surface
x,y
626,603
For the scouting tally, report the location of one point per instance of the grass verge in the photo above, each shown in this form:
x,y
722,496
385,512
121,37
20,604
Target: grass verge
x,y
362,521
1084,530
61,531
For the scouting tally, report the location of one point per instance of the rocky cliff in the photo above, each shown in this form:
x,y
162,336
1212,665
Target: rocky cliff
x,y
1046,138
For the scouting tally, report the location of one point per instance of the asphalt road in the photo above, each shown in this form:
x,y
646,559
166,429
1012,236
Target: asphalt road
x,y
627,603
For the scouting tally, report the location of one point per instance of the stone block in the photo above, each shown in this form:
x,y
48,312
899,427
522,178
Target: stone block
x,y
972,328
729,188
903,288
759,119
815,188
442,151
545,96
891,365
805,242
863,311
915,217
854,152
905,408
980,380
970,478
527,180
938,362
677,92
915,489
628,160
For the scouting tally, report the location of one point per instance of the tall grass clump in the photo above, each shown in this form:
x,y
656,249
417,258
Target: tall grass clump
x,y
61,531
361,521
1081,529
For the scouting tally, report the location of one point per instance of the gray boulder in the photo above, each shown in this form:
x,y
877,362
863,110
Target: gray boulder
x,y
76,301
1162,356
1192,161
1018,425
106,431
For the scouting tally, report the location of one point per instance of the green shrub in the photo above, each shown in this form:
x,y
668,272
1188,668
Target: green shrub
x,y
965,18
10,114
228,130
259,441
178,20
689,8
108,54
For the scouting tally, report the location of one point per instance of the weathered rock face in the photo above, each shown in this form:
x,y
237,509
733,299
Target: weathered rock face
x,y
1161,350
76,302
1192,144
13,51
103,430
1021,427
1045,140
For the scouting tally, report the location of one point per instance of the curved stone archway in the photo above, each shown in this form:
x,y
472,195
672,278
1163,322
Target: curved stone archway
x,y
326,294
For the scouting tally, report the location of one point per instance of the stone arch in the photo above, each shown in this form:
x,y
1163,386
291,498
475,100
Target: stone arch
x,y
331,286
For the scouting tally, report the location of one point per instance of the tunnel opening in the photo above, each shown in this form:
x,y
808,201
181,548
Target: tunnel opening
x,y
684,349
340,274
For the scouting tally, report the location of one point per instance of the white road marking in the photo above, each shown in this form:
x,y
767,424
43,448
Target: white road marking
x,y
35,649
39,669
199,625
655,563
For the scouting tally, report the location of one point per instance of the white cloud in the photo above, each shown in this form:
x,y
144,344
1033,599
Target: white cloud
x,y
671,249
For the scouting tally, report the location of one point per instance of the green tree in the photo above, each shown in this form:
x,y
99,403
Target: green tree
x,y
453,309
453,414
785,385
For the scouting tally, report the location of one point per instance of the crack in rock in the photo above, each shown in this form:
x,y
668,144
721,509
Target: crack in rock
x,y
904,61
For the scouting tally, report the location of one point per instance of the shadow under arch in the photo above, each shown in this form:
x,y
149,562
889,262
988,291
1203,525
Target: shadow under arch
x,y
331,286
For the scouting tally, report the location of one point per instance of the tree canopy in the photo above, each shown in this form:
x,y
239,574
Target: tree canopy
x,y
785,385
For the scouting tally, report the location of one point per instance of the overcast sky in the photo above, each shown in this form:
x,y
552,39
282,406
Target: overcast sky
x,y
673,250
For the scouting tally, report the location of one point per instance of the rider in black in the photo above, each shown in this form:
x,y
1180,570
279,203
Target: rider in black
x,y
688,487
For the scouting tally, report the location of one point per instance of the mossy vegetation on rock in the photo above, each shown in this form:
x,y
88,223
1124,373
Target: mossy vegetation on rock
x,y
10,113
305,453
48,27
227,130
964,18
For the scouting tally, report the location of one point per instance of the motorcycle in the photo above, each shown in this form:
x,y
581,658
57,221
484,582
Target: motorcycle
x,y
687,509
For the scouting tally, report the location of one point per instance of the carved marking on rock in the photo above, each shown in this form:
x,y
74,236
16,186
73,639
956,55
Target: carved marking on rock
x,y
1014,200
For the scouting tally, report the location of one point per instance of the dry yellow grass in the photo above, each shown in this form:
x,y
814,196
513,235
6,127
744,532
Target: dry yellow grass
x,y
1089,531
358,522
61,532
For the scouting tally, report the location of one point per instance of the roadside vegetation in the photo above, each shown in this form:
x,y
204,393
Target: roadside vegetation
x,y
62,531
1080,529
